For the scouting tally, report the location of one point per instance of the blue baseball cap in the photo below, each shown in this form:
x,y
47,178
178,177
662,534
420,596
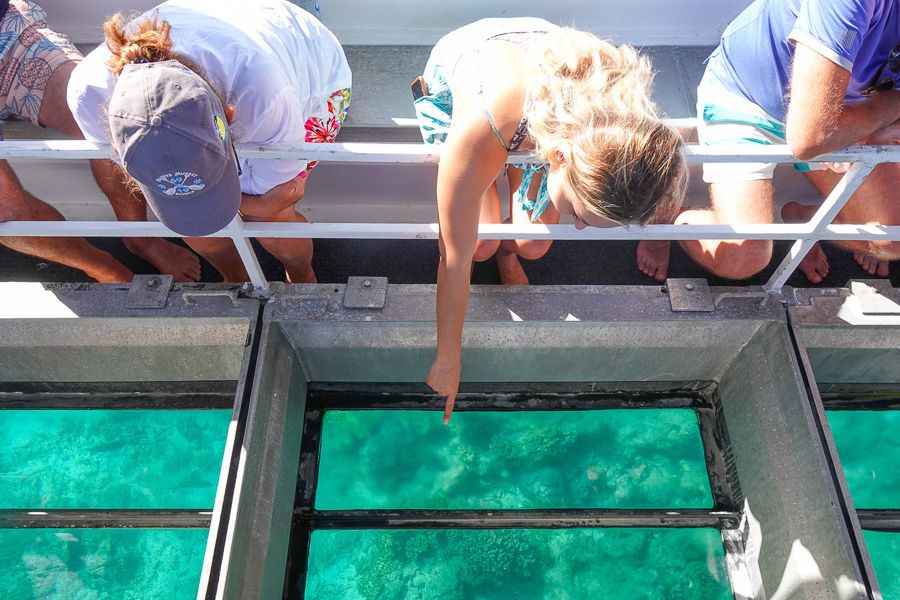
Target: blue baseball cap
x,y
171,135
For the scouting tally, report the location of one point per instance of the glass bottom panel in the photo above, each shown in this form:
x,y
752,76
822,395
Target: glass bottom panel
x,y
136,459
87,564
526,563
884,548
647,458
869,449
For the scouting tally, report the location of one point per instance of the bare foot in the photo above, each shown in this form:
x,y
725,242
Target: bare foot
x,y
872,265
511,271
653,258
815,265
111,271
168,258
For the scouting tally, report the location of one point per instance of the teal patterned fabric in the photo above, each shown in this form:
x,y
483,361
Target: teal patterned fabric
x,y
434,112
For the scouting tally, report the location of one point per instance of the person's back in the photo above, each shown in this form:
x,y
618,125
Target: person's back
x,y
757,48
275,64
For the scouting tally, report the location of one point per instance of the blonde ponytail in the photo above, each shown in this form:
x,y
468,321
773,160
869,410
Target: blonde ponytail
x,y
150,42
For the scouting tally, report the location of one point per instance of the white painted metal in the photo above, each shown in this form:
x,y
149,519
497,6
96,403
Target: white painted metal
x,y
864,158
820,220
356,152
246,252
429,231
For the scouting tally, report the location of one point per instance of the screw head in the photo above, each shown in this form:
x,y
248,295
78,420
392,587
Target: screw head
x,y
367,283
689,287
152,283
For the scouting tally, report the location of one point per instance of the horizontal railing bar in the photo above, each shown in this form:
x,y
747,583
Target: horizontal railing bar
x,y
358,152
102,519
401,231
517,519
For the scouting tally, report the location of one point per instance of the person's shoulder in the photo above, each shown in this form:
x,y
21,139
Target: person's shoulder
x,y
91,72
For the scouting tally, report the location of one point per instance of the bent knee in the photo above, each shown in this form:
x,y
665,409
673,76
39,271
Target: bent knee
x,y
484,249
532,249
744,260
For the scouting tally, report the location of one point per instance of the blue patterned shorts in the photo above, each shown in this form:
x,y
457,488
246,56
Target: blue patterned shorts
x,y
29,54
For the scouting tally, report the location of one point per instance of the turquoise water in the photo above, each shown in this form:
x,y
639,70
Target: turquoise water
x,y
646,458
884,548
100,564
111,458
869,448
546,564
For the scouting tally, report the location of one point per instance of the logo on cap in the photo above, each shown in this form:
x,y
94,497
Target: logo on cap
x,y
180,183
220,127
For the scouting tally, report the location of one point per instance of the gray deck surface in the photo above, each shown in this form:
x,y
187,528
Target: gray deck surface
x,y
380,94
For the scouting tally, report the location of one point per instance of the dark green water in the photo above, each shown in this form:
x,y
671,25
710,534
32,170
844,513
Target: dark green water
x,y
608,564
110,458
868,444
646,458
884,548
100,564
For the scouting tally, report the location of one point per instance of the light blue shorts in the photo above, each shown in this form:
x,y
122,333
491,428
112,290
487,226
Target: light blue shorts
x,y
727,118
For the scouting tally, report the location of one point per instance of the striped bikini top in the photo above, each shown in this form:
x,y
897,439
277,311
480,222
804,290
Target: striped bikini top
x,y
542,200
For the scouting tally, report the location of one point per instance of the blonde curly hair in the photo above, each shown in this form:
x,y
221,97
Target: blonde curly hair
x,y
590,101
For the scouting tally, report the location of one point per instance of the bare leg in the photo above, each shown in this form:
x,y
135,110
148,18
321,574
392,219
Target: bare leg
x,y
162,254
16,204
876,201
165,256
511,271
221,253
295,254
737,202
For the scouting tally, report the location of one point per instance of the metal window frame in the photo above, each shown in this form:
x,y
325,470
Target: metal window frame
x,y
863,398
864,159
198,395
701,397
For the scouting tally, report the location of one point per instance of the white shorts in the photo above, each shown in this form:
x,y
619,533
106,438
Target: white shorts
x,y
727,118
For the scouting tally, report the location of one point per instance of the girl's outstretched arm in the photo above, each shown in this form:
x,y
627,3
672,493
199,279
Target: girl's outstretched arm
x,y
470,162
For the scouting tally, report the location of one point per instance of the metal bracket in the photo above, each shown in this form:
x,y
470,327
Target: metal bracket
x,y
365,292
149,291
689,295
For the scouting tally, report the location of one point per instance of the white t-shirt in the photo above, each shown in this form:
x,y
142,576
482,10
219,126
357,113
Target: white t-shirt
x,y
274,61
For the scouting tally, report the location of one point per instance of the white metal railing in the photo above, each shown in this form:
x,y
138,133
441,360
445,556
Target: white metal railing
x,y
864,159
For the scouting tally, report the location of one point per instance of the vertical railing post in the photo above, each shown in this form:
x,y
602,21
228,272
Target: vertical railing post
x,y
832,205
247,254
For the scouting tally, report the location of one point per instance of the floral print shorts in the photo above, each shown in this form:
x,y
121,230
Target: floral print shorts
x,y
324,127
29,54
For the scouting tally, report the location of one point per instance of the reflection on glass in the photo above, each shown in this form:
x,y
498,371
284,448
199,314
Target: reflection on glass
x,y
111,458
526,563
88,564
869,449
644,458
884,549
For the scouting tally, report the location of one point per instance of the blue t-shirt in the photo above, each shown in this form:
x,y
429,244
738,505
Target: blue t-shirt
x,y
754,57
